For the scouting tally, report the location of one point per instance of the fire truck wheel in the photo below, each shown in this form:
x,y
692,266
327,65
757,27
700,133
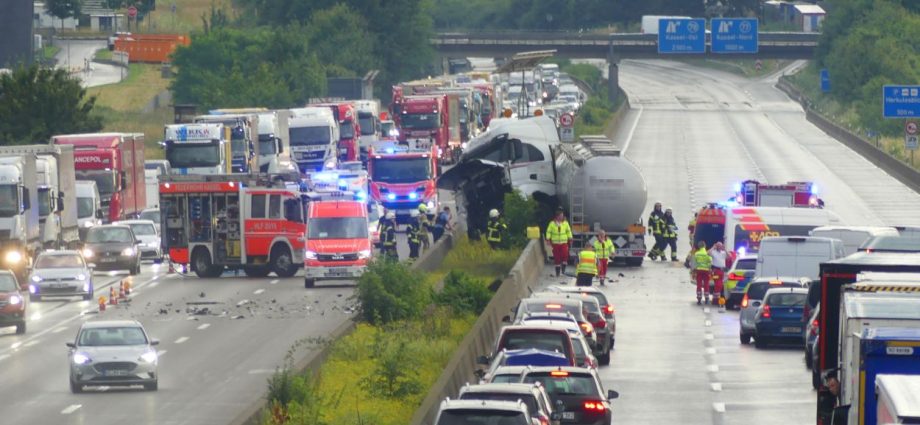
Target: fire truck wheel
x,y
256,271
309,283
282,263
202,261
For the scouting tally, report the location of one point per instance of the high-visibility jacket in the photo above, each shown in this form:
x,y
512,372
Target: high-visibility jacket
x,y
604,249
412,232
423,224
655,222
668,227
692,226
702,259
557,233
494,230
587,262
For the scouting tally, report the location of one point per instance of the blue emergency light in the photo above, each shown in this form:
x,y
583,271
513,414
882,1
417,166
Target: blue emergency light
x,y
413,195
391,196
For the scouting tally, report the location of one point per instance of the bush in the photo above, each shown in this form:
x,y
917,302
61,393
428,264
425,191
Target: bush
x,y
478,259
464,293
394,374
390,291
520,213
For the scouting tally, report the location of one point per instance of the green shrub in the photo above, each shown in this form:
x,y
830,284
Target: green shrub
x,y
390,291
478,259
394,374
464,293
520,213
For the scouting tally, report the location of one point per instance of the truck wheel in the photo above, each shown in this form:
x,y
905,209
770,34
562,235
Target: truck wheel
x,y
309,283
256,271
282,263
20,328
202,262
604,359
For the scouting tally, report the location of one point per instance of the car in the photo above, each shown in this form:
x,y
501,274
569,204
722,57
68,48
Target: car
x,y
891,244
12,303
60,273
152,214
737,278
521,357
576,393
573,306
112,247
149,236
595,317
485,412
113,353
753,298
553,318
505,374
584,354
533,395
515,337
779,315
811,334
606,306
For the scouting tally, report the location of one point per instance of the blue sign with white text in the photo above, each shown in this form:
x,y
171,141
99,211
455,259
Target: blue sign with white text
x,y
825,81
901,101
734,35
682,36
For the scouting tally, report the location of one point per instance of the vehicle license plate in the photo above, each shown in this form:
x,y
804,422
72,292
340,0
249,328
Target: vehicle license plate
x,y
58,285
791,329
107,260
116,373
336,272
568,415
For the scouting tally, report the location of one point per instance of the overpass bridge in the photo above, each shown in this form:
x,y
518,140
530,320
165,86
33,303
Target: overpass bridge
x,y
610,47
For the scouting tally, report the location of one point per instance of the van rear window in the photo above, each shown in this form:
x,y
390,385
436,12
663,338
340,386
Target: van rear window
x,y
757,290
549,341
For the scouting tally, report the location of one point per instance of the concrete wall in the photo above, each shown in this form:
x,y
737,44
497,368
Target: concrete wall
x,y
16,33
41,19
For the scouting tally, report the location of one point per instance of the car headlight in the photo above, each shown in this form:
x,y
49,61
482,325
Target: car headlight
x,y
80,358
127,252
81,276
310,255
36,278
364,253
391,196
15,299
149,357
88,253
33,289
13,257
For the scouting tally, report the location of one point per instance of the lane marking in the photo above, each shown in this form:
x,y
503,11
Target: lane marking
x,y
16,345
710,336
242,302
706,310
274,281
708,323
30,343
181,340
161,353
711,350
716,386
720,407
258,291
632,130
712,368
70,409
204,326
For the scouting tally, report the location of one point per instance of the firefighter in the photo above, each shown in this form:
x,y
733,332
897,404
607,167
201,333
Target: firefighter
x,y
559,236
586,269
442,224
655,222
413,234
691,227
604,249
388,237
669,235
495,229
424,226
702,265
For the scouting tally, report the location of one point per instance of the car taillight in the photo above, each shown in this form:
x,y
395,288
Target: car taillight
x,y
765,312
600,324
814,327
594,406
608,309
744,301
735,276
587,328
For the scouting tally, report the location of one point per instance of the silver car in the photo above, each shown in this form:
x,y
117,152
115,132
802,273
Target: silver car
x,y
146,232
60,273
113,353
152,214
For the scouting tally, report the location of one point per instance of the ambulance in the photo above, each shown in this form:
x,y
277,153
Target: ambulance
x,y
338,241
741,228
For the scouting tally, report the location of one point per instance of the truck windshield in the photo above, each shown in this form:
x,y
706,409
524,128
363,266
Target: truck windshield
x,y
337,228
238,146
402,170
188,155
302,136
388,129
105,180
366,121
419,121
44,201
266,144
84,207
9,200
347,129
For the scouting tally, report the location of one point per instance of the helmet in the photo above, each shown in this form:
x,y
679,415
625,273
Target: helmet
x,y
668,211
413,213
422,208
493,213
390,215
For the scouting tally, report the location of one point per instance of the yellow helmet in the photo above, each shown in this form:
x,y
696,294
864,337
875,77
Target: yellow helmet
x,y
422,208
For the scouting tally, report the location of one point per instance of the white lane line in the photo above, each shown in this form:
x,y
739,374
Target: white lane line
x,y
204,326
716,386
706,310
59,330
258,291
711,350
632,130
30,343
708,323
718,407
274,281
712,368
161,353
16,345
242,302
70,409
181,340
710,336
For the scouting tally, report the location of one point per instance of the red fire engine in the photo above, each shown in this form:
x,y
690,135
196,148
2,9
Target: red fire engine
x,y
402,178
212,223
752,193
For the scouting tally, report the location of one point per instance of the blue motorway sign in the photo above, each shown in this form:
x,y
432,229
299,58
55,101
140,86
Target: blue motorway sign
x,y
901,101
734,35
682,36
825,81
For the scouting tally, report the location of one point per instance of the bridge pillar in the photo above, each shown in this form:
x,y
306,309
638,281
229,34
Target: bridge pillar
x,y
613,76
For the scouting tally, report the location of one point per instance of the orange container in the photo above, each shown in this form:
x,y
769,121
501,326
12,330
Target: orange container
x,y
150,48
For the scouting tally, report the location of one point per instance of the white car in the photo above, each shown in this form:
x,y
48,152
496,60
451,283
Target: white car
x,y
60,273
110,353
146,232
152,214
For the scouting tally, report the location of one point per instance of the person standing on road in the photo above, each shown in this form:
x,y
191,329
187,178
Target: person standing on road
x,y
655,222
424,226
669,235
559,236
702,264
604,249
413,234
587,267
388,237
441,223
719,259
495,229
691,227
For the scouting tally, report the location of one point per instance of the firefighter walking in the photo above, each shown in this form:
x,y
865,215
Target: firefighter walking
x,y
424,226
702,265
586,269
559,236
388,237
604,249
495,229
655,228
669,235
413,234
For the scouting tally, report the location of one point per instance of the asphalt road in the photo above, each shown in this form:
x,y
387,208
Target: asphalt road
x,y
76,55
214,364
694,133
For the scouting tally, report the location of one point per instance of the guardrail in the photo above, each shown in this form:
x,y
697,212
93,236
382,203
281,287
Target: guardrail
x,y
478,341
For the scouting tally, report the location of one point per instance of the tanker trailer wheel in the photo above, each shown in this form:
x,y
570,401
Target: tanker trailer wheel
x,y
282,262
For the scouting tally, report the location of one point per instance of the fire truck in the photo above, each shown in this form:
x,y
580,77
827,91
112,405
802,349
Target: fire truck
x,y
338,243
403,178
752,193
217,222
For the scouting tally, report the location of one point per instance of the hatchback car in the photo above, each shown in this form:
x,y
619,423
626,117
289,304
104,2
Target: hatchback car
x,y
594,316
578,390
565,319
779,316
113,247
574,306
737,278
152,214
113,353
485,412
146,232
533,395
584,353
516,337
753,298
12,303
605,305
60,273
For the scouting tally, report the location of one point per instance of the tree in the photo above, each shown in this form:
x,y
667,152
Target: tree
x,y
36,103
63,9
341,41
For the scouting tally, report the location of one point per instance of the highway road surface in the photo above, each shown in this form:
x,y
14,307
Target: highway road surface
x,y
77,55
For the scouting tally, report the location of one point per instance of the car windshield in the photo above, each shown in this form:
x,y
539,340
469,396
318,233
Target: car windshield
x,y
105,180
549,341
109,235
337,228
401,170
8,283
266,145
58,261
481,417
746,264
152,215
104,337
528,399
565,383
9,200
508,378
535,306
303,136
366,122
419,121
787,300
44,202
189,155
84,207
143,229
757,290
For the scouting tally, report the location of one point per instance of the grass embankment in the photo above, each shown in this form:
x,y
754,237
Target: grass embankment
x,y
597,113
48,52
121,105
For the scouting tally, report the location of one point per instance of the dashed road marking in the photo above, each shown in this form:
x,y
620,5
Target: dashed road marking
x,y
258,291
706,310
708,323
30,343
716,386
70,409
242,302
16,345
181,340
204,326
710,336
4,357
274,281
712,368
711,350
718,407
59,330
161,353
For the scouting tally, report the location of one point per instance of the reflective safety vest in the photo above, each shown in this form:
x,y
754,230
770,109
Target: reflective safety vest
x,y
604,249
423,224
669,230
656,222
702,259
412,232
558,233
587,262
494,230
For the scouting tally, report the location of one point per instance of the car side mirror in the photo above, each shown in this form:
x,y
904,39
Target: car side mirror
x,y
612,395
99,214
483,360
506,319
154,342
70,345
479,374
60,202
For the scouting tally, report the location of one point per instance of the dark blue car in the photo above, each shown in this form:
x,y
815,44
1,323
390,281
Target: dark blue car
x,y
780,316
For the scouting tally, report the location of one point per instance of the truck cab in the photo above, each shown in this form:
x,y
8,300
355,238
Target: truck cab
x,y
19,229
274,150
401,179
198,148
314,135
243,129
367,111
349,129
338,244
424,122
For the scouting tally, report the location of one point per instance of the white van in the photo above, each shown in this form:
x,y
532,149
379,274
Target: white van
x,y
853,236
796,256
745,227
89,205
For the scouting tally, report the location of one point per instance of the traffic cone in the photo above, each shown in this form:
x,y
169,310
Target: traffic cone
x,y
127,285
121,291
113,299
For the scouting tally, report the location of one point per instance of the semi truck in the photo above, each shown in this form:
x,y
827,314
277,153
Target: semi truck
x,y
57,202
314,136
401,179
346,116
274,147
243,130
368,112
115,161
203,148
20,238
